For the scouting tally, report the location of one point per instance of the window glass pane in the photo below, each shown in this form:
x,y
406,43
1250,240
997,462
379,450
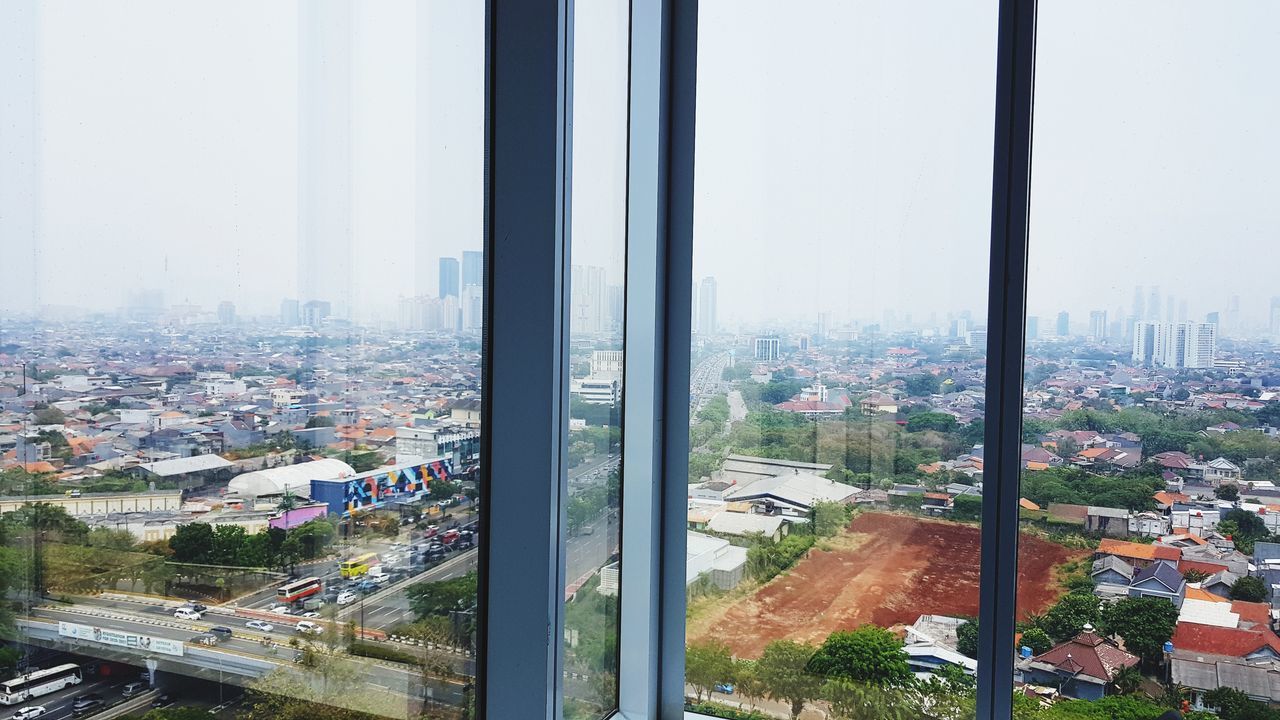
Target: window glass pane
x,y
841,240
1150,448
240,355
598,229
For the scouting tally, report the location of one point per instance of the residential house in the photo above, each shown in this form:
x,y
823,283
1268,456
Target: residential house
x,y
1137,554
1160,579
1111,577
1148,524
1080,668
1112,522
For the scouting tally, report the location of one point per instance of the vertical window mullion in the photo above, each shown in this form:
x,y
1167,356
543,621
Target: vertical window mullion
x,y
526,358
1006,307
681,53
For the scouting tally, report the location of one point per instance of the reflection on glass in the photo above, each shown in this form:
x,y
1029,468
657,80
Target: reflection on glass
x,y
837,384
240,357
598,225
1150,448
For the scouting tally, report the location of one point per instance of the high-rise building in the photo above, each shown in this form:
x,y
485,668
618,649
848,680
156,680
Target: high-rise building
x,y
1139,304
1064,324
315,312
768,349
1182,310
449,278
707,306
472,302
824,325
1175,345
1033,327
1274,319
472,268
617,306
289,312
325,219
226,313
1098,325
1153,305
588,299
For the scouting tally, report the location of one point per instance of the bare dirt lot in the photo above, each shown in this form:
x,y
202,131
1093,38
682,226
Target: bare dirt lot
x,y
887,569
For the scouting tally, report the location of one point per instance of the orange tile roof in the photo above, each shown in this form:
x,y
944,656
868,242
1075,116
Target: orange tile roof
x,y
1202,566
1254,612
1091,453
1195,593
1037,466
1026,504
1138,551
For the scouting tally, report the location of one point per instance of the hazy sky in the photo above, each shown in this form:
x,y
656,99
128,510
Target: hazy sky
x,y
843,157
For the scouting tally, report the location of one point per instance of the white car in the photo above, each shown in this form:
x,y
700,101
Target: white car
x,y
391,559
308,628
311,614
346,597
260,625
186,614
280,610
26,713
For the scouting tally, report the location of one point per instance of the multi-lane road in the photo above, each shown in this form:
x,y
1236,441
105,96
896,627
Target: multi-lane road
x,y
705,380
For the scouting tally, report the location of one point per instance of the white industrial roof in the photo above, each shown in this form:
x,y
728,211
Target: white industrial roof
x,y
181,466
295,479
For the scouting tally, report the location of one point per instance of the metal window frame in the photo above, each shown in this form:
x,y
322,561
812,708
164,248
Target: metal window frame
x,y
525,374
1006,300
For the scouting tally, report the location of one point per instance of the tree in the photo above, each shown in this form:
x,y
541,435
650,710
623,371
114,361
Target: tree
x,y
861,701
1127,680
942,422
1235,705
706,665
1193,575
318,421
1249,589
747,682
923,384
192,543
49,416
1069,615
967,638
1038,640
783,669
1227,491
1144,623
869,654
429,599
829,518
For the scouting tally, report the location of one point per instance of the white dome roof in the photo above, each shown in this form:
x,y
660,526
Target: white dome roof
x,y
295,479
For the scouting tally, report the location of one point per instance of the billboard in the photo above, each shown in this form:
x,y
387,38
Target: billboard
x,y
141,643
370,490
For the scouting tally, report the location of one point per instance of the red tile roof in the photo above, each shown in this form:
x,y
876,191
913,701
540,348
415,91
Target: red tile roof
x,y
1138,551
1231,642
1202,566
1088,654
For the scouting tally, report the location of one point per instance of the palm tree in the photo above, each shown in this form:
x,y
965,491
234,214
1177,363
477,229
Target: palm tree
x,y
1127,680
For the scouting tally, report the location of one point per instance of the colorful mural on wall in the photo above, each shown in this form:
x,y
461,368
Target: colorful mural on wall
x,y
369,490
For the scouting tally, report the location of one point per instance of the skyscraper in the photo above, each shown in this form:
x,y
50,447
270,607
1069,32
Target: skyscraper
x,y
324,152
1153,305
588,299
1098,325
768,349
707,306
1139,305
1033,327
472,268
226,313
1274,320
289,312
449,277
1175,345
1064,324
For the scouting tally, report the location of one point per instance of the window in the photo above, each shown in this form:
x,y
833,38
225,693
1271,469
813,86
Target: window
x,y
1148,456
240,352
837,390
598,191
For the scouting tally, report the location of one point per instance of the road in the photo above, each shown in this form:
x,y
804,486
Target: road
x,y
58,704
705,380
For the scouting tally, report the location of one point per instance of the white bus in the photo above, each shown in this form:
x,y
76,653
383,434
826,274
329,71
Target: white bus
x,y
39,682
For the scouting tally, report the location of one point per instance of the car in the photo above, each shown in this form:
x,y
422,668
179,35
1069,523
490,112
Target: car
x,y
86,704
379,579
195,606
186,614
31,711
391,558
311,614
431,531
205,639
161,700
134,688
281,610
223,633
260,625
346,598
306,627
724,688
298,656
367,586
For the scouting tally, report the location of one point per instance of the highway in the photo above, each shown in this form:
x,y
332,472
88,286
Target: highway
x,y
705,380
58,704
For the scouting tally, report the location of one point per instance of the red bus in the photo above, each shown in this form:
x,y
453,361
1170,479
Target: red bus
x,y
299,589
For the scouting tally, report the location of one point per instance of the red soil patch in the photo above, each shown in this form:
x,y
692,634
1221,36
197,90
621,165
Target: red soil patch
x,y
904,568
